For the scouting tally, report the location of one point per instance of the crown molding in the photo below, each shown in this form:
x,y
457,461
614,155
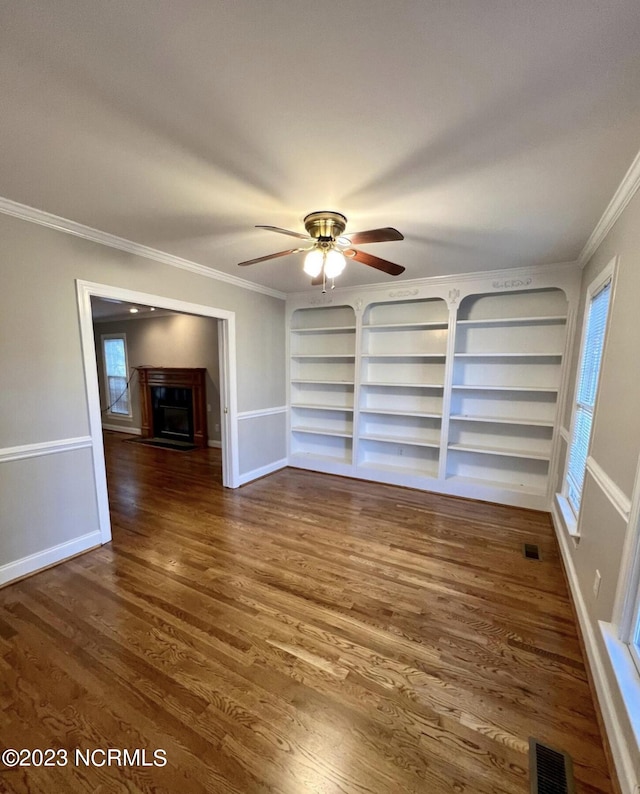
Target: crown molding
x,y
623,195
42,218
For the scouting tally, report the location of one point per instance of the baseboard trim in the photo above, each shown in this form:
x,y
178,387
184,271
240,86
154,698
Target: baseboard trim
x,y
255,474
564,519
620,752
34,563
136,431
131,431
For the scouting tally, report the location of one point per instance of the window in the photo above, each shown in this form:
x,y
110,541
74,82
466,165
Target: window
x,y
629,616
587,387
114,348
634,643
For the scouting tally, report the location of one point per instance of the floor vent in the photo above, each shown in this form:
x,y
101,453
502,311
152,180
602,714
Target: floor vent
x,y
551,770
531,551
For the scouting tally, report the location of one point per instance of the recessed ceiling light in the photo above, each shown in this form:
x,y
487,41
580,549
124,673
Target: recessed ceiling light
x,y
133,310
152,308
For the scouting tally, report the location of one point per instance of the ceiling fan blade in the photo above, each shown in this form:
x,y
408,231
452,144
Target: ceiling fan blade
x,y
270,256
286,231
374,261
374,236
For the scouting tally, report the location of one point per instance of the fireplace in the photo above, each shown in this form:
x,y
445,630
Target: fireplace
x,y
173,402
172,413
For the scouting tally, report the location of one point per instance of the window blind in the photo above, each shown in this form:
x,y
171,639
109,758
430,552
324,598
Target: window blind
x,y
116,368
591,358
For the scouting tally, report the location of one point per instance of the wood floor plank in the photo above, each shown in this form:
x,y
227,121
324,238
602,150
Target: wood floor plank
x,y
304,634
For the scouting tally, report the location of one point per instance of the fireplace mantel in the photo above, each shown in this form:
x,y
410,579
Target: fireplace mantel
x,y
178,378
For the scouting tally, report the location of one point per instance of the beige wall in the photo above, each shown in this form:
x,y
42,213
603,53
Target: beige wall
x,y
47,491
616,439
175,340
615,445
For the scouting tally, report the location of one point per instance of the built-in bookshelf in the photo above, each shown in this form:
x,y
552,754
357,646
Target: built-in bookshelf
x,y
458,396
402,368
506,376
322,374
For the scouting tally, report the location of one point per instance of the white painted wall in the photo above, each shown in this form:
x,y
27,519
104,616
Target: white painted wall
x,y
46,504
608,487
175,340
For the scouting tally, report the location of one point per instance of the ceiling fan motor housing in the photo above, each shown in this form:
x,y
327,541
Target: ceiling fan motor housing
x,y
326,225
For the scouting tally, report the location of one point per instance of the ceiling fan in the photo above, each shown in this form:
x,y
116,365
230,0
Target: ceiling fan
x,y
328,247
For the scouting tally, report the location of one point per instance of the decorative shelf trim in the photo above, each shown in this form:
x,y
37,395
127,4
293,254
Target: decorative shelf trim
x,y
540,389
413,442
559,318
503,420
405,326
404,355
38,450
514,275
319,432
387,384
508,355
42,218
386,412
505,453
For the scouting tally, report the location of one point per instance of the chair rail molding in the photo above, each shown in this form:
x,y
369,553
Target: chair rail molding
x,y
44,448
280,409
614,494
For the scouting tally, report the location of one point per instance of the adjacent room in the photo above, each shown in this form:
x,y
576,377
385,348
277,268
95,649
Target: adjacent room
x,y
319,428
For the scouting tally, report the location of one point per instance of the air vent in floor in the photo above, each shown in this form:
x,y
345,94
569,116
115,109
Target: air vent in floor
x,y
531,551
551,770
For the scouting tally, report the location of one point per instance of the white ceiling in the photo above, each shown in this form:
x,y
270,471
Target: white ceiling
x,y
492,133
103,309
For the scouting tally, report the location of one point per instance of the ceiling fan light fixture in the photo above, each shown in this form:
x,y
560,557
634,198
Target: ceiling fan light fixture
x,y
330,248
334,263
313,262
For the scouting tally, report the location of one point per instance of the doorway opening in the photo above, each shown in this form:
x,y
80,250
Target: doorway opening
x,y
222,410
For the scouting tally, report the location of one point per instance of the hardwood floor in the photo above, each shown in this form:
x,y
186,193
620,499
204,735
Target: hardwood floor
x,y
302,634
